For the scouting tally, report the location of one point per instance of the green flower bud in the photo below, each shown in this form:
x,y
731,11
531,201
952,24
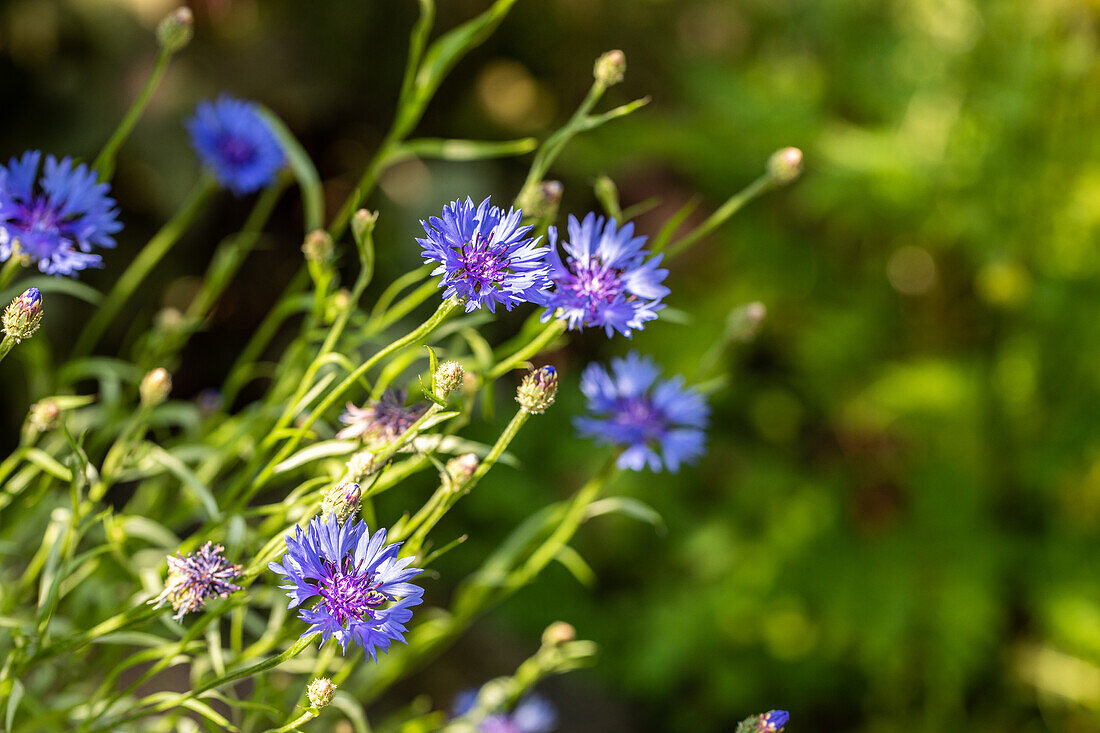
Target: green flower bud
x,y
784,166
459,470
320,692
23,316
610,68
342,500
448,378
537,391
319,247
175,31
360,465
155,387
558,633
44,415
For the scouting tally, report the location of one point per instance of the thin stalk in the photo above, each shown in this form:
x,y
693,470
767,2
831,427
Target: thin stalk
x,y
733,204
340,390
141,265
11,268
5,346
105,161
556,327
293,725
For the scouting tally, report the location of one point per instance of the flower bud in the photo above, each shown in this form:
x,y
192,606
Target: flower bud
x,y
175,31
319,247
155,387
785,165
44,415
361,465
320,692
169,319
342,500
362,223
23,316
745,321
448,378
558,633
541,201
459,470
610,68
772,721
538,389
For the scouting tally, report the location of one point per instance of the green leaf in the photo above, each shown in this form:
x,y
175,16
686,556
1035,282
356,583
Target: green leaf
x,y
48,464
461,150
59,285
323,449
14,699
186,476
576,565
663,237
313,201
630,507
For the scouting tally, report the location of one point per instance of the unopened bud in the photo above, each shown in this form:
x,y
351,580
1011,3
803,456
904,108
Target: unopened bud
x,y
469,384
169,319
558,633
44,415
773,721
175,31
745,321
460,469
541,201
342,501
362,223
610,68
23,316
320,692
448,378
360,465
318,247
538,389
155,387
785,165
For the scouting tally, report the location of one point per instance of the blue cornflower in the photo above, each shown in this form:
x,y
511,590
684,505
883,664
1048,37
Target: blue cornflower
x,y
637,411
484,255
236,143
773,721
606,279
363,586
59,221
532,715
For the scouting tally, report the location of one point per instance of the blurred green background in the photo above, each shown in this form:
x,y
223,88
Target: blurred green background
x,y
896,528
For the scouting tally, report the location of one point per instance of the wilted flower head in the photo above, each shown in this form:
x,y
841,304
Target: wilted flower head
x,y
635,410
532,715
320,692
235,142
384,419
363,586
484,255
194,578
58,221
605,280
772,721
23,315
538,389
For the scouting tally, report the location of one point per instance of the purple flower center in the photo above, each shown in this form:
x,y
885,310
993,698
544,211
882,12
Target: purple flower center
x,y
594,283
484,265
236,150
350,594
640,418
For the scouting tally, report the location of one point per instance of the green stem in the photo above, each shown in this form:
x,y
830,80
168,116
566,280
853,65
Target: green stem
x,y
339,391
734,204
293,725
11,268
105,161
552,330
141,265
5,346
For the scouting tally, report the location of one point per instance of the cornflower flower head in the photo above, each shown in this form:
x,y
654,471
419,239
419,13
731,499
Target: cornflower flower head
x,y
532,715
196,577
658,422
56,219
384,419
363,587
606,279
484,255
234,141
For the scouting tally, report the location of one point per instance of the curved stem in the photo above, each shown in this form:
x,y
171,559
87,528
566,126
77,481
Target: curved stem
x,y
141,265
733,204
105,161
340,390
